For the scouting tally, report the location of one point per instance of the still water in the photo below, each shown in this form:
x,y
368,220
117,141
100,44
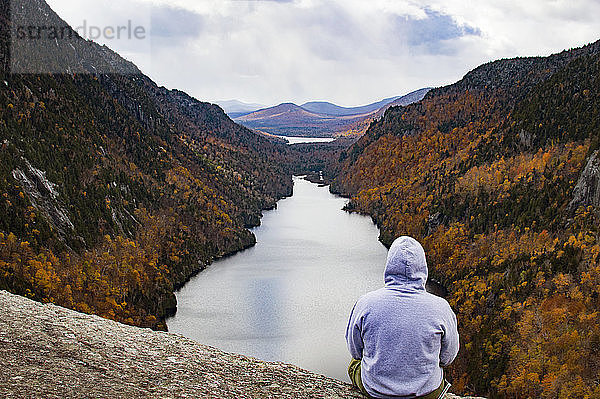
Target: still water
x,y
298,140
288,298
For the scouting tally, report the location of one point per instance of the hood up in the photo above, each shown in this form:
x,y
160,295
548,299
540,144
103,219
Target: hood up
x,y
406,264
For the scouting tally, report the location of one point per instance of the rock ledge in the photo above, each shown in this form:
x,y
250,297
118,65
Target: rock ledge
x,y
50,352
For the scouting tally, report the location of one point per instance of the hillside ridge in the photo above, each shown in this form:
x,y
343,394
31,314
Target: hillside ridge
x,y
325,107
115,191
496,175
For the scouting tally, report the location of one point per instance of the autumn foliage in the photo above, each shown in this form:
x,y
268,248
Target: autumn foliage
x,y
483,172
113,191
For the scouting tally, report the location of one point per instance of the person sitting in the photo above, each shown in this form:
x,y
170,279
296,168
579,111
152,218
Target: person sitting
x,y
400,336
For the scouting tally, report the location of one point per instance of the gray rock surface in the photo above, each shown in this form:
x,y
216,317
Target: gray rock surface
x,y
587,190
50,352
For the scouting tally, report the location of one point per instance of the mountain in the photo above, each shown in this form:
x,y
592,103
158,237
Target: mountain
x,y
288,110
322,107
235,108
289,119
114,191
497,176
58,49
318,119
360,126
403,101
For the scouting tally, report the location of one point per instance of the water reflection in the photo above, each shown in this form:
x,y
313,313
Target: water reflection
x,y
264,317
288,297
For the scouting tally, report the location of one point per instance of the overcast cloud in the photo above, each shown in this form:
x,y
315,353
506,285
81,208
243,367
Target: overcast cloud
x,y
351,52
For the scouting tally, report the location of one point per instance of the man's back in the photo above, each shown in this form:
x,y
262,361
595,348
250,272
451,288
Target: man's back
x,y
402,334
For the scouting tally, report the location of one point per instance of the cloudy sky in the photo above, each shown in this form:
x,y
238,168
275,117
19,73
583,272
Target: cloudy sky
x,y
350,52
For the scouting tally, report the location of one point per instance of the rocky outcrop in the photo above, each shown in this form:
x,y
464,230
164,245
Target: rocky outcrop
x,y
43,195
50,352
587,190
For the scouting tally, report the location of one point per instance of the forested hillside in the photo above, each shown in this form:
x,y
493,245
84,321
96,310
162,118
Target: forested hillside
x,y
498,176
114,191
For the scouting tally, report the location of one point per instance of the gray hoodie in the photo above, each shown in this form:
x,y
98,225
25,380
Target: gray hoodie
x,y
402,334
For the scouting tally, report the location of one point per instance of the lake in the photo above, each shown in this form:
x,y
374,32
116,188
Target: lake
x,y
288,298
297,140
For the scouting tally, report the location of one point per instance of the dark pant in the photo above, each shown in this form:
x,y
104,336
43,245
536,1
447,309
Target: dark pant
x,y
354,374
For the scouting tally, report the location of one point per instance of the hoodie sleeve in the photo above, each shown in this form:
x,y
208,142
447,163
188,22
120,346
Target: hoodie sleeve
x,y
450,339
354,334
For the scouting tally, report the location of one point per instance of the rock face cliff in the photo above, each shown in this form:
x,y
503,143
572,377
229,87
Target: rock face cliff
x,y
51,352
587,190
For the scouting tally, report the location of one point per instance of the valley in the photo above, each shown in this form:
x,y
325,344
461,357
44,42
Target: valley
x,y
115,191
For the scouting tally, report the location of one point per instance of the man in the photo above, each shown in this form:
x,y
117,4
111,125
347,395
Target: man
x,y
401,336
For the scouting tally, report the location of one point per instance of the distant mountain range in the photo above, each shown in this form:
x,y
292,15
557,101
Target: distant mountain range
x,y
322,107
235,108
317,118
